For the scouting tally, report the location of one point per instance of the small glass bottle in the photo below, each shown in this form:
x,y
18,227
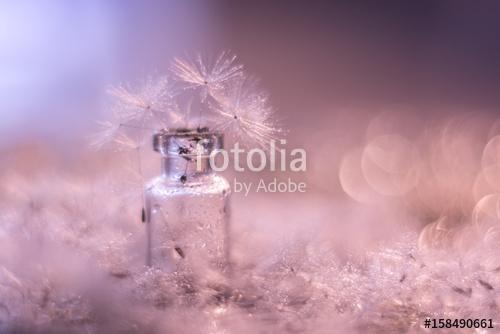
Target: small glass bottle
x,y
187,206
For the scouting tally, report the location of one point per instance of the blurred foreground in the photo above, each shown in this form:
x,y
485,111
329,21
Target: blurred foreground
x,y
403,224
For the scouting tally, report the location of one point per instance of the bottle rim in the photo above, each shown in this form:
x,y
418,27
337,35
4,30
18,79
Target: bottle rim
x,y
187,142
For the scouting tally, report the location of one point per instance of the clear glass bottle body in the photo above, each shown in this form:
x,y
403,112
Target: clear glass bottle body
x,y
187,207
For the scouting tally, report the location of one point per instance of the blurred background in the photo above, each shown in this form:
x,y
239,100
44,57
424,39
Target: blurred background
x,y
343,75
317,59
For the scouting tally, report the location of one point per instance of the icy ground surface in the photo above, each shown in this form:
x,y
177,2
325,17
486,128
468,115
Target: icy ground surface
x,y
72,261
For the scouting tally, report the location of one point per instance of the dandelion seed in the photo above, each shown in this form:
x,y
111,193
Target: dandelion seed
x,y
211,79
125,141
106,135
245,115
153,101
241,110
118,135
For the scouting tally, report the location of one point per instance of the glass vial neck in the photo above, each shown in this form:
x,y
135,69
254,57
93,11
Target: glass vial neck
x,y
185,152
182,169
